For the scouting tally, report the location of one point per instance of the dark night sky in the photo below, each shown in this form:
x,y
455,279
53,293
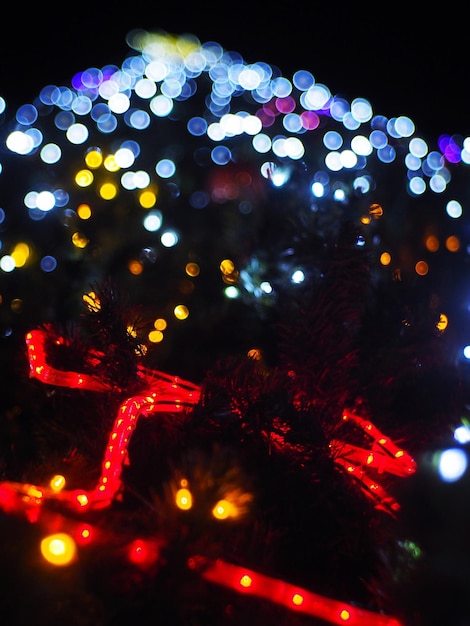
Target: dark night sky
x,y
404,64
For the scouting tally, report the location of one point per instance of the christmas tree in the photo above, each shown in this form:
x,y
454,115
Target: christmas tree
x,y
234,379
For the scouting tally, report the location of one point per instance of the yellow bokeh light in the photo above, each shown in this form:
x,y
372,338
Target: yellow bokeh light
x,y
453,243
224,509
227,267
147,199
21,254
192,269
246,581
110,164
108,191
421,268
135,267
443,322
92,301
155,336
385,258
345,614
184,499
160,323
94,158
57,483
84,211
59,549
366,219
181,311
255,353
297,599
84,178
79,240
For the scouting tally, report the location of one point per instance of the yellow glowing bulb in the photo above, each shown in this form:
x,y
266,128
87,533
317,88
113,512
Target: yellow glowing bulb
x,y
224,509
108,191
345,615
79,240
110,164
385,258
227,266
59,549
181,312
92,301
160,324
94,158
297,599
184,499
84,211
147,199
442,323
155,336
192,269
84,178
246,581
20,254
57,483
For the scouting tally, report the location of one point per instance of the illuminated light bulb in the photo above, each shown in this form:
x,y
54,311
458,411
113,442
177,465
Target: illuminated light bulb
x,y
255,353
57,483
20,254
224,509
83,535
385,258
453,243
147,199
94,158
92,301
142,552
399,454
376,211
160,324
135,267
246,581
451,464
345,615
59,549
84,178
84,211
184,499
192,269
108,191
227,267
462,434
421,268
155,336
110,163
79,240
297,599
181,311
432,243
443,322
34,492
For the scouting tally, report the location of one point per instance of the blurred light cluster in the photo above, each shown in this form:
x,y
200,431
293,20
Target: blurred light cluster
x,y
183,128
